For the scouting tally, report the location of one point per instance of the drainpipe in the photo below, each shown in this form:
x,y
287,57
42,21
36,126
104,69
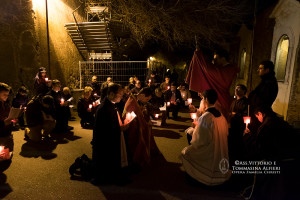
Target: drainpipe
x,y
48,44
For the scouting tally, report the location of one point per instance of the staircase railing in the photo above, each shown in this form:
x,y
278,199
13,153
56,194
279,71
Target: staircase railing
x,y
79,31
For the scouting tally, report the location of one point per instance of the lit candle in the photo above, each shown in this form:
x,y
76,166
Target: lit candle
x,y
95,94
168,103
133,115
94,104
46,79
90,106
62,100
194,116
128,116
190,100
247,120
149,80
1,151
156,116
168,87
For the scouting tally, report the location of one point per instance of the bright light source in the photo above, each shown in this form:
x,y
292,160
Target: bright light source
x,y
151,58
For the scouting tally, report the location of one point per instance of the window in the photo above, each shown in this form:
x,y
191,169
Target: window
x,y
281,58
242,63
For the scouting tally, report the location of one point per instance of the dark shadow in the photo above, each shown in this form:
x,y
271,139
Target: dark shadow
x,y
166,133
39,149
182,119
4,165
64,138
163,180
176,126
5,188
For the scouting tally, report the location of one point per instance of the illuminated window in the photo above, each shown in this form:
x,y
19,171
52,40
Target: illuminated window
x,y
281,58
242,63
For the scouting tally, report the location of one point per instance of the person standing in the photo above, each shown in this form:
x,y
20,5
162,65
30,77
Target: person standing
x,y
264,94
96,87
41,82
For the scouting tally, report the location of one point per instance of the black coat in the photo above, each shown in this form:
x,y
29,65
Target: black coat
x,y
4,112
106,140
265,93
20,100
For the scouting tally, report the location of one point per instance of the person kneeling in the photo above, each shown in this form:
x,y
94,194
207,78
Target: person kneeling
x,y
206,159
40,118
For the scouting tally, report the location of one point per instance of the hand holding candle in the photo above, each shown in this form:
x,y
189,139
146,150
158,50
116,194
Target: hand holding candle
x,y
190,100
156,116
168,103
62,101
194,116
46,79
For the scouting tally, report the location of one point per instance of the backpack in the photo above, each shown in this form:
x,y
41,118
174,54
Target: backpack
x,y
82,168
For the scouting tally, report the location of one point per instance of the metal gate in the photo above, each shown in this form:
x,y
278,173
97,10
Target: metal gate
x,y
119,71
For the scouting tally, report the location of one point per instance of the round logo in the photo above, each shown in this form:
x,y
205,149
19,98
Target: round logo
x,y
224,166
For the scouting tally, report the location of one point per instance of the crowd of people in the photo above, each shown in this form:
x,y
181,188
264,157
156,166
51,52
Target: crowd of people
x,y
122,129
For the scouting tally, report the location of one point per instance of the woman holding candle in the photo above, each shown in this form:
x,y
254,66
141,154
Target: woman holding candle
x,y
41,82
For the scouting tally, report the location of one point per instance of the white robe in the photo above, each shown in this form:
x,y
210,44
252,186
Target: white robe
x,y
204,159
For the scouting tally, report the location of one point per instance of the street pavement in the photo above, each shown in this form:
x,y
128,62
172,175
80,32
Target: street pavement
x,y
41,172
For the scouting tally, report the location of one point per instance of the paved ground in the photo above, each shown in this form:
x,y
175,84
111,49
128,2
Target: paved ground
x,y
42,173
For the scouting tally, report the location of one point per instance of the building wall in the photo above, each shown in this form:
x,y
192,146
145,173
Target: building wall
x,y
287,15
293,113
23,40
245,36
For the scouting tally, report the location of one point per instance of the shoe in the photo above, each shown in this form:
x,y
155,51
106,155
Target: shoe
x,y
26,137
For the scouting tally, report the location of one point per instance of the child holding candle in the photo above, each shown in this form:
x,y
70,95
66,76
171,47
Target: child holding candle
x,y
41,82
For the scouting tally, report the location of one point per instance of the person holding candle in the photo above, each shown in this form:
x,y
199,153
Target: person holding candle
x,y
61,106
174,97
185,93
85,108
96,93
165,85
238,110
6,138
157,102
208,147
41,82
137,88
265,93
141,144
276,142
40,117
21,100
109,155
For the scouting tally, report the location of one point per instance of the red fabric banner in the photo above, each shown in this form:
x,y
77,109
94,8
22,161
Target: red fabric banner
x,y
203,75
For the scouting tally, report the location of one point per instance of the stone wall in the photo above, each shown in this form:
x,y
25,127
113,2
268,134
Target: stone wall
x,y
293,113
23,41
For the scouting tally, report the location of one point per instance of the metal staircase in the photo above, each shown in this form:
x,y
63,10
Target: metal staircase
x,y
92,38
